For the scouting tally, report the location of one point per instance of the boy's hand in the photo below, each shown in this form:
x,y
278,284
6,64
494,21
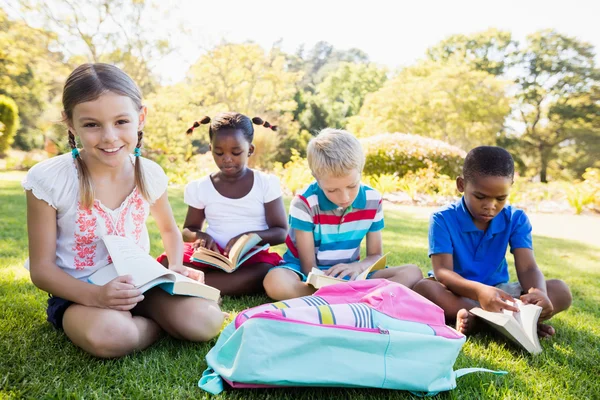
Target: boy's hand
x,y
342,270
539,298
119,294
495,300
206,241
189,272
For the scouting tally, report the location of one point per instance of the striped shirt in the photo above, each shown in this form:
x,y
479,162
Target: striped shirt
x,y
337,232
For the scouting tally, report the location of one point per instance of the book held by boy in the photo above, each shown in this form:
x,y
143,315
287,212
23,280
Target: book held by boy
x,y
318,279
129,259
520,327
244,248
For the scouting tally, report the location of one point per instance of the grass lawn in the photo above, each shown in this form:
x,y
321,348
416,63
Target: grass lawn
x,y
38,362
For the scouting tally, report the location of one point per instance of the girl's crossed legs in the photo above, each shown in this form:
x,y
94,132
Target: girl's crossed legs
x,y
110,333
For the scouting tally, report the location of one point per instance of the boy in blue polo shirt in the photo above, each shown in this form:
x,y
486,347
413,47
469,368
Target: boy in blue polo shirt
x,y
329,220
468,242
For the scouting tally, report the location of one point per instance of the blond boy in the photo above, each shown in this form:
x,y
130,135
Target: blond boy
x,y
329,220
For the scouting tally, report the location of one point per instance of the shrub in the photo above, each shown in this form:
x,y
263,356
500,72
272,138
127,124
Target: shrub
x,y
385,183
295,174
579,196
9,122
428,181
22,161
399,153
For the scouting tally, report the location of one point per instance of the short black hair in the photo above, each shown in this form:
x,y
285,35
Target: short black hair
x,y
488,161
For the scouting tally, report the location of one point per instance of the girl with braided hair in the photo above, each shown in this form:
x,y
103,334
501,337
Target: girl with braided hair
x,y
106,188
233,201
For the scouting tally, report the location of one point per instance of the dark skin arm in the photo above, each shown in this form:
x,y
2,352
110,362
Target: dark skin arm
x,y
532,281
192,230
490,298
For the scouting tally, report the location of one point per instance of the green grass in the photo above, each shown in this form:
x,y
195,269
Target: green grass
x,y
38,362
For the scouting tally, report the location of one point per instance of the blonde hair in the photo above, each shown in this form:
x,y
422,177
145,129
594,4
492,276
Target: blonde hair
x,y
86,83
335,152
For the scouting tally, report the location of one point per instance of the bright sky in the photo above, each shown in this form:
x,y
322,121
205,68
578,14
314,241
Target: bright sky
x,y
393,33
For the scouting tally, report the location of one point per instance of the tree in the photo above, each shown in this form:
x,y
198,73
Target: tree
x,y
450,101
31,75
558,98
488,51
342,93
119,32
9,122
315,65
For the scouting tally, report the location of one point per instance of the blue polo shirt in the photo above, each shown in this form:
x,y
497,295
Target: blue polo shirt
x,y
478,255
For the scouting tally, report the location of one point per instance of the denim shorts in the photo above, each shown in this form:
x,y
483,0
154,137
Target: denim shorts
x,y
56,310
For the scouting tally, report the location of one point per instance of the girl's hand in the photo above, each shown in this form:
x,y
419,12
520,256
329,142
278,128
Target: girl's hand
x,y
539,298
120,294
189,272
495,300
230,244
342,270
206,241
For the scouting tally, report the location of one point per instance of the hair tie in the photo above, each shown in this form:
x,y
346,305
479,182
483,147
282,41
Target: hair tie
x,y
75,152
137,152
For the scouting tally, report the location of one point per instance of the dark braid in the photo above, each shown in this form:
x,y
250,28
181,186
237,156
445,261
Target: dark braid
x,y
72,142
266,124
203,121
140,138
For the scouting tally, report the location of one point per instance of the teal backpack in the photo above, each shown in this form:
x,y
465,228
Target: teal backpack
x,y
371,333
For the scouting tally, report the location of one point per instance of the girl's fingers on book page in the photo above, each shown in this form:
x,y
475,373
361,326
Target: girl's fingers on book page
x,y
127,301
195,275
128,294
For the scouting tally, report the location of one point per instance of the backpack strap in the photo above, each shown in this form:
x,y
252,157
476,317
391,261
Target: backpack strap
x,y
211,382
466,371
458,373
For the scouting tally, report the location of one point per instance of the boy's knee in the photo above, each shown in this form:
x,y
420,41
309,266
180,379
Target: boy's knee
x,y
413,273
408,275
112,339
559,294
426,287
278,286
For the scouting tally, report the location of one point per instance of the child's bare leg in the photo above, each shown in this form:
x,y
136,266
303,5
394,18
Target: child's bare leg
x,y
408,274
108,333
455,307
283,284
561,298
187,318
245,280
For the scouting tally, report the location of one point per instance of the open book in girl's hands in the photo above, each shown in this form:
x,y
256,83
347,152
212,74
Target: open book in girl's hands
x,y
318,279
244,248
129,259
520,327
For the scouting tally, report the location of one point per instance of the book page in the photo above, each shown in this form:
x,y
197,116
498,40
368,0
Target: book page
x,y
377,265
242,246
129,259
530,314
